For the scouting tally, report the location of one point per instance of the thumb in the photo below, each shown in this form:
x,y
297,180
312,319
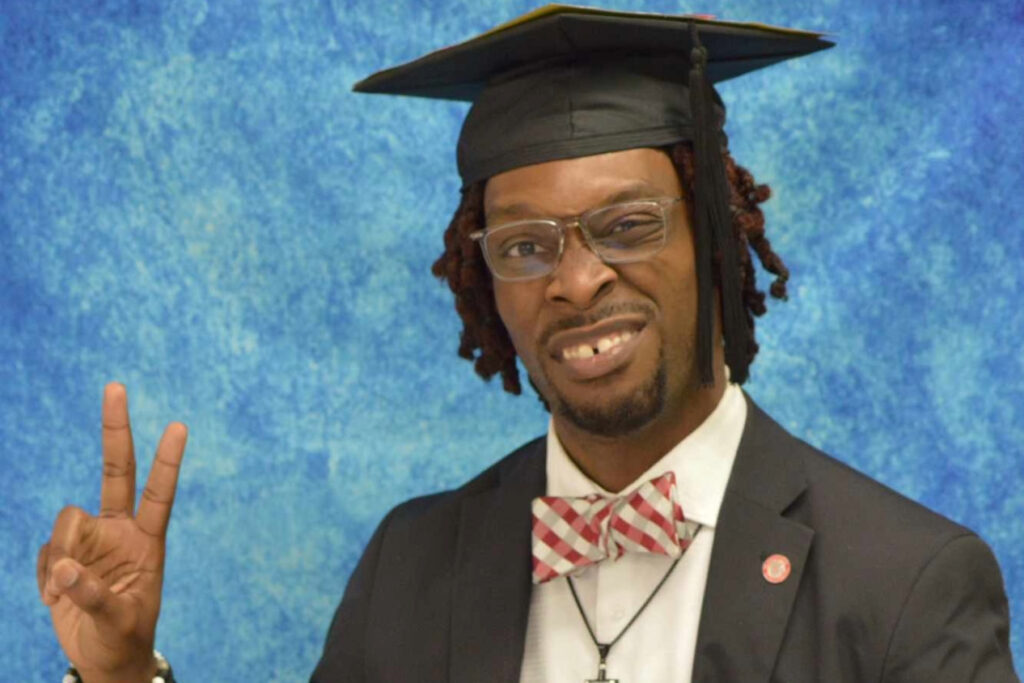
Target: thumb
x,y
88,592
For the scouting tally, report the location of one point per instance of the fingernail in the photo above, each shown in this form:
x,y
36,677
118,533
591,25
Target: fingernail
x,y
69,578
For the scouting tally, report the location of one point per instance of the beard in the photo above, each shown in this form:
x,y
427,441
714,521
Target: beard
x,y
621,416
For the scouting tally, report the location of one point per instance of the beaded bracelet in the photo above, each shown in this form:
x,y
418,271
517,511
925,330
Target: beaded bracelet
x,y
163,672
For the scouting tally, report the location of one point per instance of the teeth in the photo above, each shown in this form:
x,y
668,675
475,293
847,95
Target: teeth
x,y
603,345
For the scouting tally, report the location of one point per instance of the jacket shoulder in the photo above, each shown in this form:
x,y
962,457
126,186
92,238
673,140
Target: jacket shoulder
x,y
401,590
891,589
839,498
443,504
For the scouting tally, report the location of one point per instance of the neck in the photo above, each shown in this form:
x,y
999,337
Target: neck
x,y
616,462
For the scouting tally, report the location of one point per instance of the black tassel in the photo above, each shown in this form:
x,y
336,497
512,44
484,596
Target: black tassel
x,y
702,238
714,226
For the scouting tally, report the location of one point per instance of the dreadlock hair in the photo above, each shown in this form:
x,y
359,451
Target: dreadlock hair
x,y
484,339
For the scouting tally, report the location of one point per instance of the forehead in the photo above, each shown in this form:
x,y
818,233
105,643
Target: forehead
x,y
571,186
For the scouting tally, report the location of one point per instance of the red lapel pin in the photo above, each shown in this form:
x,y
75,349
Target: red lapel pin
x,y
776,568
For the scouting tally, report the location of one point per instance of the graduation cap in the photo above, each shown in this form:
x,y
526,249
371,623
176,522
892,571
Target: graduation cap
x,y
565,81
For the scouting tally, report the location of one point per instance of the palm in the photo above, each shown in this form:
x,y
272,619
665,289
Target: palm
x,y
106,622
131,564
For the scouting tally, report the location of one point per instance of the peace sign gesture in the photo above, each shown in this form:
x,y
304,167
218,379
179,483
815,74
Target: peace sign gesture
x,y
101,576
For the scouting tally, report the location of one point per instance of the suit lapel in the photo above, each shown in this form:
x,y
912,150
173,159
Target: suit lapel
x,y
744,617
491,587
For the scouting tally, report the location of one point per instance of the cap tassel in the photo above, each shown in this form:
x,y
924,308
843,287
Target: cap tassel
x,y
714,231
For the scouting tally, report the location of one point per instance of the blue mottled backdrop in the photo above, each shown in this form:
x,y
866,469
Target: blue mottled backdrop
x,y
192,202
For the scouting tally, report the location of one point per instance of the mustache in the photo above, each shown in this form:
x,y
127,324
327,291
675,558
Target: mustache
x,y
584,320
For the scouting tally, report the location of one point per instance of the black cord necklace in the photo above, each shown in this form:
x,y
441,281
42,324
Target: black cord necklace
x,y
604,648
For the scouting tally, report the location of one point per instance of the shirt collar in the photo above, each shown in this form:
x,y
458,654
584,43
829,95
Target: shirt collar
x,y
702,462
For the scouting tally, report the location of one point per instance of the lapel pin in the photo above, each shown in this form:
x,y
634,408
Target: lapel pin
x,y
776,568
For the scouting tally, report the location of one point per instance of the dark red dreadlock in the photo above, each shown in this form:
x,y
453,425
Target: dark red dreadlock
x,y
484,339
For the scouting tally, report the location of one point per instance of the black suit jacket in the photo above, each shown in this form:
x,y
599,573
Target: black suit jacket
x,y
881,589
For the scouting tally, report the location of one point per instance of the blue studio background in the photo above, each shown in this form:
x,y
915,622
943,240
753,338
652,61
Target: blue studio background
x,y
192,202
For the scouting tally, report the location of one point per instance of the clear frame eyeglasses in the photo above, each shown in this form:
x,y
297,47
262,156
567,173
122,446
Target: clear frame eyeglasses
x,y
619,233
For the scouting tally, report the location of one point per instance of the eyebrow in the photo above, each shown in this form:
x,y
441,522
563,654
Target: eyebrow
x,y
639,190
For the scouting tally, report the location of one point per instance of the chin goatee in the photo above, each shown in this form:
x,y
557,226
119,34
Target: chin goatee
x,y
622,416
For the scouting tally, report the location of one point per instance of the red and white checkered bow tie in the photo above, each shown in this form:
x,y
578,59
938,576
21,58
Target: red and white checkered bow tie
x,y
570,534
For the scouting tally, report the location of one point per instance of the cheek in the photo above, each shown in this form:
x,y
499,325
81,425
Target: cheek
x,y
675,284
519,312
683,309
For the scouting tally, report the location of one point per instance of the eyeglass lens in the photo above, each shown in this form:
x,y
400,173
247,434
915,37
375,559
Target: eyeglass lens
x,y
618,233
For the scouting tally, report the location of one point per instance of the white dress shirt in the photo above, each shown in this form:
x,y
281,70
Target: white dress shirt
x,y
659,646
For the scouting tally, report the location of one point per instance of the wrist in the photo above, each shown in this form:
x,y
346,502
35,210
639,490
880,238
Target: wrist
x,y
156,670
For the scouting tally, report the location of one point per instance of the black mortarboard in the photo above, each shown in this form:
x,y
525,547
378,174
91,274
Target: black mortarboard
x,y
565,81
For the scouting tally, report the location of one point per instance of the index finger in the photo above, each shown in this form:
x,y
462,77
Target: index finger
x,y
158,496
117,492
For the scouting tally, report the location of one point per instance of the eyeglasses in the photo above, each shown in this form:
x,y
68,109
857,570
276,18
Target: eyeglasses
x,y
618,233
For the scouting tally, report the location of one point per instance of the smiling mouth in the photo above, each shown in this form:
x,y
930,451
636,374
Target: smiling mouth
x,y
598,350
604,345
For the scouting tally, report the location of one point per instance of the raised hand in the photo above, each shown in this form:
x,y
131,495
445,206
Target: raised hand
x,y
101,576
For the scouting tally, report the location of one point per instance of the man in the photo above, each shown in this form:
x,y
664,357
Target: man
x,y
677,533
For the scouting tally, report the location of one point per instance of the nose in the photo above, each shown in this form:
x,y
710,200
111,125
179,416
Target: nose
x,y
581,278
